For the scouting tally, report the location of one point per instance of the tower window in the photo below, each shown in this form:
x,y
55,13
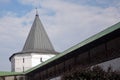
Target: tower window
x,y
41,60
23,68
23,60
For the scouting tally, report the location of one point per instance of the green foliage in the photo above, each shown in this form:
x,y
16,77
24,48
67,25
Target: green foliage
x,y
94,73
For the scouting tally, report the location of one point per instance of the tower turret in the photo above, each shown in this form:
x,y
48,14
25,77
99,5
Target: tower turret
x,y
36,50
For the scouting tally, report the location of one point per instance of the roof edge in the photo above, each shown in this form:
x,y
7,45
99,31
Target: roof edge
x,y
29,52
4,73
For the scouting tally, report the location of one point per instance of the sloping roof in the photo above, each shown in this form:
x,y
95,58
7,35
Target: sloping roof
x,y
10,73
37,40
83,43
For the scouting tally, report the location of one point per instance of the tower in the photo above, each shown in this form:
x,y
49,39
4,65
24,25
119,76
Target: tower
x,y
36,50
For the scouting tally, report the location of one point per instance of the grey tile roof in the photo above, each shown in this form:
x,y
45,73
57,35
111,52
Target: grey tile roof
x,y
37,40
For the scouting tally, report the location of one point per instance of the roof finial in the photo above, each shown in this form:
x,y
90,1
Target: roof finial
x,y
36,12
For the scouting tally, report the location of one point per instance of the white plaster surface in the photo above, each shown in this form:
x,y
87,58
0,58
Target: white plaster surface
x,y
30,60
36,58
114,63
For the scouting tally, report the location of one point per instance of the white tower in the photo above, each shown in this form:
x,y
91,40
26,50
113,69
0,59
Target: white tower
x,y
36,50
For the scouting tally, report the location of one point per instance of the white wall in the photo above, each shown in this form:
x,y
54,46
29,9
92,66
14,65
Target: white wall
x,y
36,58
18,64
114,63
12,64
56,78
30,60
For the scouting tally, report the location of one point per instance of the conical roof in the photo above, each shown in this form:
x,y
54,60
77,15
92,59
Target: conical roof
x,y
37,40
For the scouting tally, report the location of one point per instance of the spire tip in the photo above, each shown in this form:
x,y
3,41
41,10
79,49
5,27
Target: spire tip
x,y
36,12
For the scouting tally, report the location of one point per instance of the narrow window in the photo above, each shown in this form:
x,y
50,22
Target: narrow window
x,y
41,60
23,60
23,68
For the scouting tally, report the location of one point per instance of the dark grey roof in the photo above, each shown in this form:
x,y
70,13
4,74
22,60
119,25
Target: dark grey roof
x,y
37,40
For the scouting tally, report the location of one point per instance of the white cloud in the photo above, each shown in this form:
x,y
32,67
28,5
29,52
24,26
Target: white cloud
x,y
73,23
13,29
35,3
68,25
108,2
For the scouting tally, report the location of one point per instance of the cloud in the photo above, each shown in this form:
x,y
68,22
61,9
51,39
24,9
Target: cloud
x,y
100,3
108,2
73,23
66,23
35,3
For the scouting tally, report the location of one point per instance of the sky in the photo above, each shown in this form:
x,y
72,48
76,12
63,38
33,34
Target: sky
x,y
67,22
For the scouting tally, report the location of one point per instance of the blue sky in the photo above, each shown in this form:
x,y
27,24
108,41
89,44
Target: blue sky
x,y
67,22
